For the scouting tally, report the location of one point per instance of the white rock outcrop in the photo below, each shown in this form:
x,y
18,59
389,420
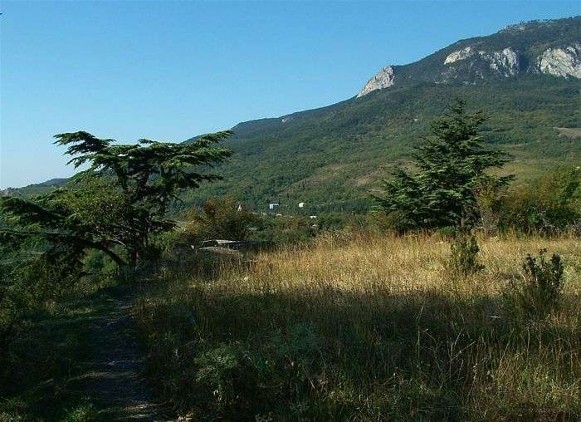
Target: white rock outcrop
x,y
459,55
504,62
384,79
562,62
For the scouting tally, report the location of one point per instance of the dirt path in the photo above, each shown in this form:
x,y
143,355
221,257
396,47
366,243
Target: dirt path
x,y
113,380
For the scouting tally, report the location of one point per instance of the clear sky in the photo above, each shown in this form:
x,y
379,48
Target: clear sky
x,y
169,70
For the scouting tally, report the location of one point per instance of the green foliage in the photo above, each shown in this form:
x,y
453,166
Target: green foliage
x,y
451,166
61,226
150,173
287,229
99,265
228,382
489,195
121,201
548,205
542,285
464,256
220,218
33,272
149,176
84,412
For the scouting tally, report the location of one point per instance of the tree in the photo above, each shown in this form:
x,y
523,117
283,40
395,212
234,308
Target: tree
x,y
548,205
450,166
220,218
120,201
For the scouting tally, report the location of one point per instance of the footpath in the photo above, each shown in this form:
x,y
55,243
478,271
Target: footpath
x,y
113,379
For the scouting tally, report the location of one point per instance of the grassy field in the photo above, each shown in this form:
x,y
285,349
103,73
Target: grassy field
x,y
367,327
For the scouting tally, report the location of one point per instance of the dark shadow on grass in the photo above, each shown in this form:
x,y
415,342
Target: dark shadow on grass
x,y
83,362
330,354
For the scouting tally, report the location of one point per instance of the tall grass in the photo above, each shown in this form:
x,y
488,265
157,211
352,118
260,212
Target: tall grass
x,y
366,327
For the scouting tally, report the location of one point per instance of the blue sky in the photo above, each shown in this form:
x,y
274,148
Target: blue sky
x,y
169,70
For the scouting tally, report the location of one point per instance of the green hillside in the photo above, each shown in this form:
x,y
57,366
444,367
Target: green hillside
x,y
332,157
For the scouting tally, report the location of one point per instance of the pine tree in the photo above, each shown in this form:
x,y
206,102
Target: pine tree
x,y
450,165
120,201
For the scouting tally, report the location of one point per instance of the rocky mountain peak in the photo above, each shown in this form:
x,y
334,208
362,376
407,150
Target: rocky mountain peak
x,y
462,54
504,62
384,79
539,47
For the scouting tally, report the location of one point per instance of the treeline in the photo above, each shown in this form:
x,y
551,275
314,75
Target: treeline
x,y
549,205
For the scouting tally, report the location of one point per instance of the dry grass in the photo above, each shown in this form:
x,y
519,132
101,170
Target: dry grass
x,y
569,132
368,327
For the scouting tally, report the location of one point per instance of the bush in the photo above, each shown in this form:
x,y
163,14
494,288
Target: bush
x,y
220,218
542,285
549,205
464,257
286,229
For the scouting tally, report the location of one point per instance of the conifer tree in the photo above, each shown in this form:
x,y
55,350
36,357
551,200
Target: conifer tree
x,y
120,201
450,165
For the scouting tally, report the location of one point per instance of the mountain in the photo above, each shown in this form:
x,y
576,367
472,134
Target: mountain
x,y
525,78
35,189
541,47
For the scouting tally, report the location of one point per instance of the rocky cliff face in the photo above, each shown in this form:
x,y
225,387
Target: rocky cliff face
x,y
564,62
561,62
9,192
384,79
540,47
504,62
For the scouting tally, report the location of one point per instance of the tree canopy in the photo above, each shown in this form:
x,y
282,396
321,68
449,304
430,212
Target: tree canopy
x,y
119,202
449,166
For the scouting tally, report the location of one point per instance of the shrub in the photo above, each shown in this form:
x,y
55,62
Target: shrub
x,y
425,199
542,284
220,218
464,257
549,205
286,229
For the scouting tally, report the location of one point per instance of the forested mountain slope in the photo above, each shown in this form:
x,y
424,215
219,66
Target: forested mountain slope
x,y
525,78
334,156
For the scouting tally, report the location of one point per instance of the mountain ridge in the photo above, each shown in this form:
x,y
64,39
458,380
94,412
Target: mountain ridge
x,y
332,157
555,49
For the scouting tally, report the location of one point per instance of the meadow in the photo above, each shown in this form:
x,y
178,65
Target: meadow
x,y
366,326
